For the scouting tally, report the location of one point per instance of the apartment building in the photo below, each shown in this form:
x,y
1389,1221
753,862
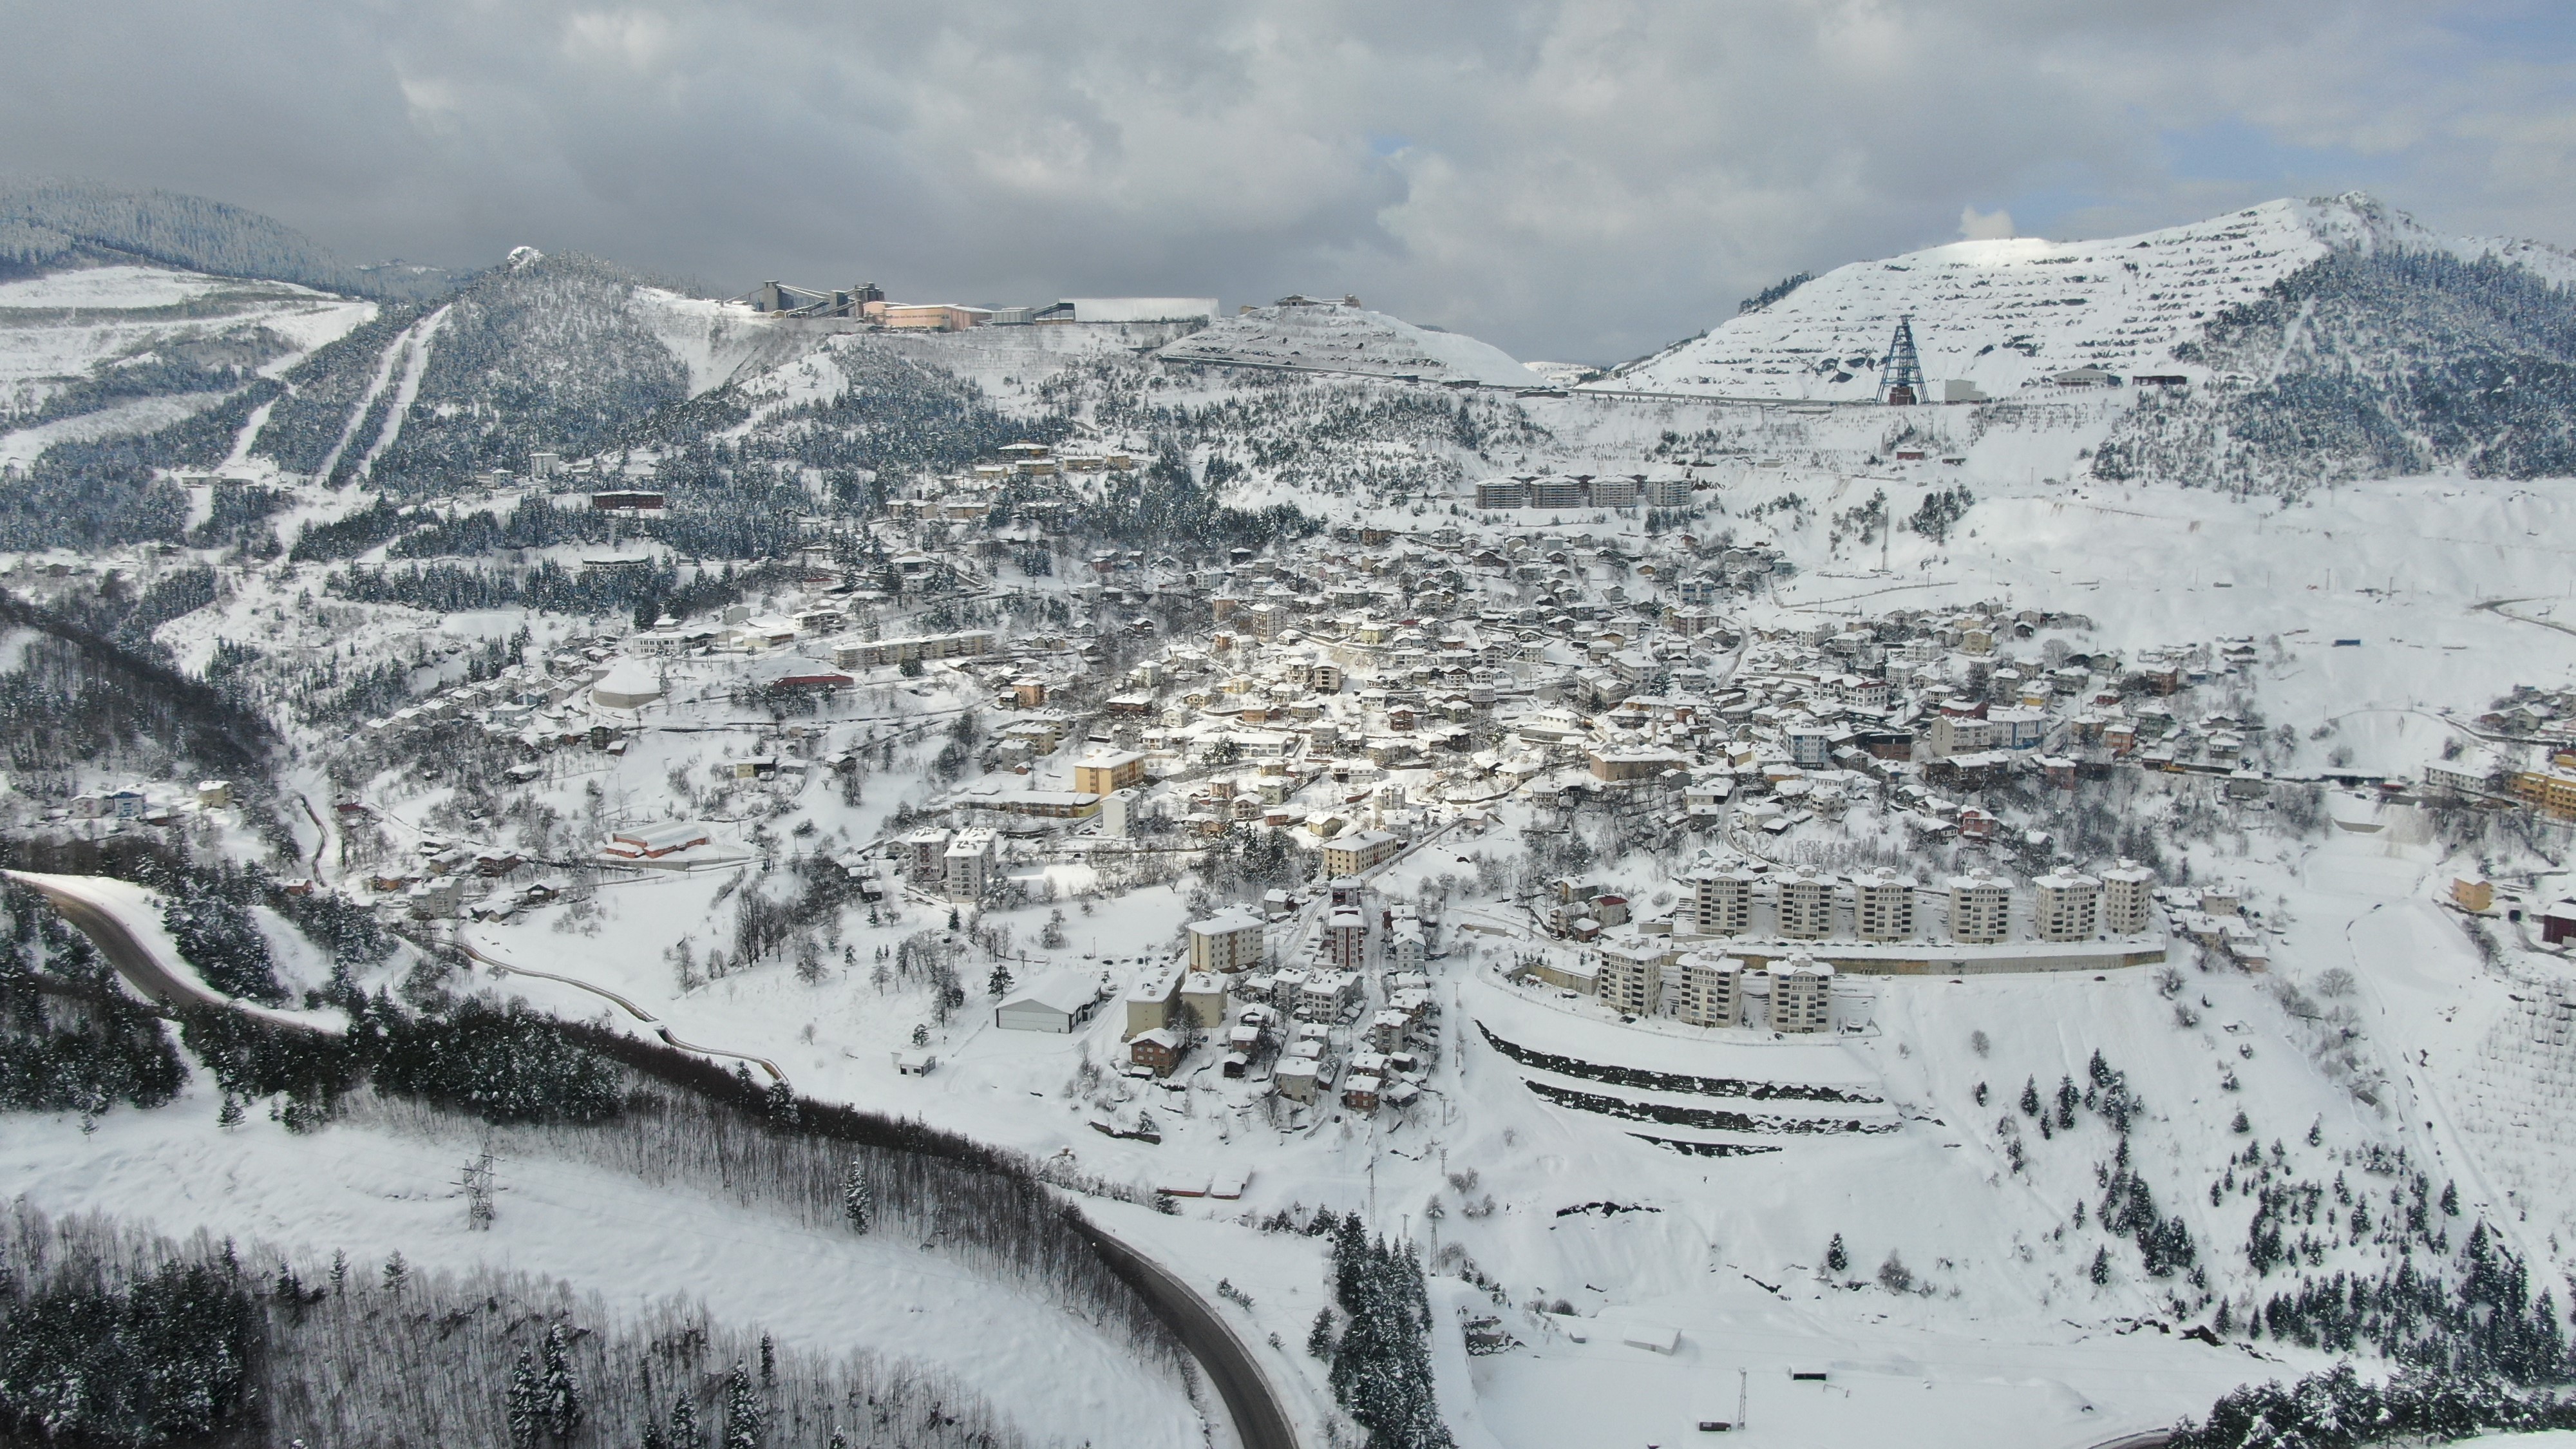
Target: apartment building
x,y
1980,908
1711,990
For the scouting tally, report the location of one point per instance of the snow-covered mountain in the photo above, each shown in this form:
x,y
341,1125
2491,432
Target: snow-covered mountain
x,y
1344,339
2009,315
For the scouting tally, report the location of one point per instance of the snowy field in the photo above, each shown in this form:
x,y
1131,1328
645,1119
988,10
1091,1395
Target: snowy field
x,y
375,1189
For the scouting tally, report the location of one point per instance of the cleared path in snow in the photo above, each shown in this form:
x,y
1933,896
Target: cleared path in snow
x,y
629,1007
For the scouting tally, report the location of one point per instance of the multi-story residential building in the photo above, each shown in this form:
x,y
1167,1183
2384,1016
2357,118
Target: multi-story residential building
x,y
967,865
1883,906
1632,982
1960,735
1351,854
1806,906
1559,493
2552,792
1228,941
1346,940
1668,493
1802,995
2068,906
2128,889
1105,774
1980,908
1722,900
871,653
1711,990
923,855
1811,745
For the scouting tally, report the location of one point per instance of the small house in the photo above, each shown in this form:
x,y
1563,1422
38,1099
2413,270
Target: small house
x,y
1157,1051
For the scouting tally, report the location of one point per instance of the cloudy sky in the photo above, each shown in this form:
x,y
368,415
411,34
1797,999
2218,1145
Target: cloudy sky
x,y
1568,180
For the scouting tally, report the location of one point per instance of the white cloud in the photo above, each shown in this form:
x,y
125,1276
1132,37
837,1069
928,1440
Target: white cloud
x,y
1581,178
1995,225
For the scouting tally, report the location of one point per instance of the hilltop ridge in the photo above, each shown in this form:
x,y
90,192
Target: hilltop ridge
x,y
2008,314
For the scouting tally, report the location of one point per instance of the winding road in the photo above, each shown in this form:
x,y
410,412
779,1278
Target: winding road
x,y
132,959
1260,1420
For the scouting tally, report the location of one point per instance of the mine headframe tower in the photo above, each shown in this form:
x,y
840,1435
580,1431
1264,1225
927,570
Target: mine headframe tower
x,y
1901,381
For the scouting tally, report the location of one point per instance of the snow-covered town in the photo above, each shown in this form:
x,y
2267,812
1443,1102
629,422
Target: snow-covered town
x,y
806,868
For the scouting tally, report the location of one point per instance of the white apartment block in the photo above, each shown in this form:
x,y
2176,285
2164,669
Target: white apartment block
x,y
1807,906
1631,983
1228,941
2127,891
1883,906
1711,992
1980,908
2069,906
1722,901
968,864
1802,996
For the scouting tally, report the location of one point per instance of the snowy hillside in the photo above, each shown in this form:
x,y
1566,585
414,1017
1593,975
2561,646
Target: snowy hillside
x,y
1329,338
92,351
2007,315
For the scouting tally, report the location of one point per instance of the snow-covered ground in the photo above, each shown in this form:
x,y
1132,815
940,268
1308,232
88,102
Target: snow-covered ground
x,y
2383,616
56,328
1328,337
373,1190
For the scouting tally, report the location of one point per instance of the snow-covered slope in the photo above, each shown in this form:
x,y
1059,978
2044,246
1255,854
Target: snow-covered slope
x,y
2010,314
1329,338
93,351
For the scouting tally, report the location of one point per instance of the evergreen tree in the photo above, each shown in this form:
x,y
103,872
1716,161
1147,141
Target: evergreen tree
x,y
2030,1097
560,1406
684,1431
744,1414
1836,1259
768,1362
858,1205
2100,1272
230,1113
397,1274
1381,1373
526,1403
2242,1124
339,1273
1319,1339
998,985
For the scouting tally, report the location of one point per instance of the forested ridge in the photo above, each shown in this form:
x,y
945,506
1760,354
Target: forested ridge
x,y
78,697
49,222
2369,364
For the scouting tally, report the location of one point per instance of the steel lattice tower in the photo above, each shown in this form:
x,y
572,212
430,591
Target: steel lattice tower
x,y
1901,381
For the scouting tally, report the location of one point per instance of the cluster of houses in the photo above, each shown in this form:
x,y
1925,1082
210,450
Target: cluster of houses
x,y
2522,752
145,803
1349,1018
